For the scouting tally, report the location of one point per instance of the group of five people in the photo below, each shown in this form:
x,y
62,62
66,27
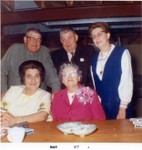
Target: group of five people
x,y
96,85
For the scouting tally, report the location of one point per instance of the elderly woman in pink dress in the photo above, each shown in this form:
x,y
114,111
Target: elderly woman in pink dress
x,y
75,102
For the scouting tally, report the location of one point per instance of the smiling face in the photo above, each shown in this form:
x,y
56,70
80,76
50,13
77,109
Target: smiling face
x,y
100,38
32,41
32,79
70,78
69,41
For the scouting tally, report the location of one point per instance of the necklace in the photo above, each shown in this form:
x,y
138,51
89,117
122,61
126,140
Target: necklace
x,y
102,61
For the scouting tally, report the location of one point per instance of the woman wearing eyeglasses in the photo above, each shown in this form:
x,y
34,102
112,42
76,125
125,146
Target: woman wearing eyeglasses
x,y
75,102
112,73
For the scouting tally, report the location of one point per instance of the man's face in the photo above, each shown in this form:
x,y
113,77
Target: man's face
x,y
32,41
69,41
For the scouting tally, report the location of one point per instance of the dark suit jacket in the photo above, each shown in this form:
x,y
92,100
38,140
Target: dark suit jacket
x,y
81,58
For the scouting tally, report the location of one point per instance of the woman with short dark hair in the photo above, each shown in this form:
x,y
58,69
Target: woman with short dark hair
x,y
27,102
31,64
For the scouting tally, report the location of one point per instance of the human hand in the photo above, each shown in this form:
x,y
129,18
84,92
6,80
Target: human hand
x,y
7,119
121,113
1,114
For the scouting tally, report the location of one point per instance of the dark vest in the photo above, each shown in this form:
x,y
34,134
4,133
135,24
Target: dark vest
x,y
107,88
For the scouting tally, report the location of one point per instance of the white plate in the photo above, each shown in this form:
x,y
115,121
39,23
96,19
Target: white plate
x,y
77,128
68,127
84,129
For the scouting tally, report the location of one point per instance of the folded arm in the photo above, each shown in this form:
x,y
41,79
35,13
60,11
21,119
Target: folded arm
x,y
8,119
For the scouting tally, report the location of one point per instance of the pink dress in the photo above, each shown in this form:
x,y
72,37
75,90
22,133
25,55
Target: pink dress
x,y
85,106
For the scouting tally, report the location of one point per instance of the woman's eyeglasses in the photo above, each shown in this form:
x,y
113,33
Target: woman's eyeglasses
x,y
98,35
71,73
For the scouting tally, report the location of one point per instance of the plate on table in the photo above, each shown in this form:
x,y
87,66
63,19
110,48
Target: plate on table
x,y
68,127
84,129
77,128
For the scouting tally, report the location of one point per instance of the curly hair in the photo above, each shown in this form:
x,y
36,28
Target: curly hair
x,y
64,65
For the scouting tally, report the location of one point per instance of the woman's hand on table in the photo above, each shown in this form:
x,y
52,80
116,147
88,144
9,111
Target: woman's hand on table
x,y
121,113
7,119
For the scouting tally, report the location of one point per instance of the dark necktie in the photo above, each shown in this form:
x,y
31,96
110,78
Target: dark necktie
x,y
72,57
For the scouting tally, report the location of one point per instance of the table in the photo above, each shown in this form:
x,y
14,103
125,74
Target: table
x,y
108,131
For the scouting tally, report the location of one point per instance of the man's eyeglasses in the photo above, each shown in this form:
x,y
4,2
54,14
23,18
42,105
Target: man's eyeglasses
x,y
98,35
34,39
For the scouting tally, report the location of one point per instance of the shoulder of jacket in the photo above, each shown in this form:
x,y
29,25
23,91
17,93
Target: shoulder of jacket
x,y
61,92
58,51
89,49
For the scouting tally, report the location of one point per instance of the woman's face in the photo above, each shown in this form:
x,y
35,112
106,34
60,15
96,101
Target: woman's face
x,y
100,38
70,77
32,79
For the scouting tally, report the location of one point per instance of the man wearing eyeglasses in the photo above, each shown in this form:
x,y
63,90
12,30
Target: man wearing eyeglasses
x,y
31,49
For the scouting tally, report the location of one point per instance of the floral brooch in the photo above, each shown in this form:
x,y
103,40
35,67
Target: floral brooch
x,y
85,95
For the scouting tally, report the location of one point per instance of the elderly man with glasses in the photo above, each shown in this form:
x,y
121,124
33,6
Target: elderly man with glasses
x,y
31,49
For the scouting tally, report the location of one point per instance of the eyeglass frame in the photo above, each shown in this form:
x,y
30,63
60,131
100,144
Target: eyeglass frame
x,y
98,35
34,39
71,73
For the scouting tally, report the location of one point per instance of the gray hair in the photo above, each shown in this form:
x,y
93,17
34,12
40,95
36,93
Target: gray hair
x,y
67,29
33,30
65,65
